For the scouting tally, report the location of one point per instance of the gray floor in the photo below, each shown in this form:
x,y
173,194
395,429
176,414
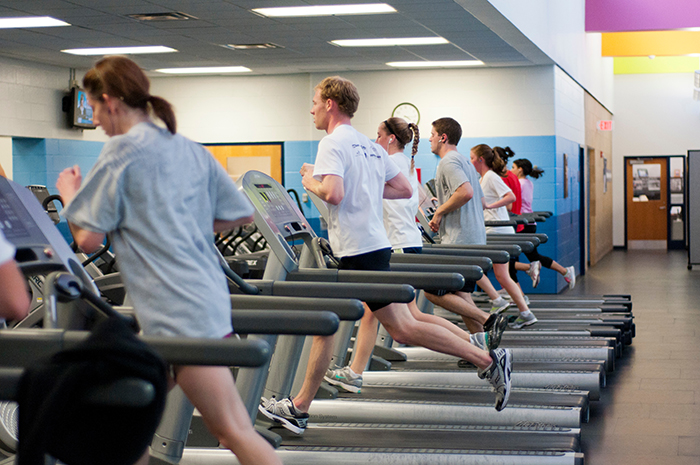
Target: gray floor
x,y
650,412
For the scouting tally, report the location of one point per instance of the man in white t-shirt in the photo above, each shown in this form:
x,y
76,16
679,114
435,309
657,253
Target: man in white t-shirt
x,y
14,304
352,174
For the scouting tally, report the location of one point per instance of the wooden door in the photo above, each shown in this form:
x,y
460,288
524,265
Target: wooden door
x,y
646,198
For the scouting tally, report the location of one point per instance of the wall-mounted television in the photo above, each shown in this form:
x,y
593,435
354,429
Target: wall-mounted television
x,y
79,111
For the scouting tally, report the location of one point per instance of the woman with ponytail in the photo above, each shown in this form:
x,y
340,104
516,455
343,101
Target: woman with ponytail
x,y
393,135
496,196
160,196
522,168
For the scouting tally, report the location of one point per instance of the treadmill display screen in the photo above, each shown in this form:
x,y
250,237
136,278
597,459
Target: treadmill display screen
x,y
10,223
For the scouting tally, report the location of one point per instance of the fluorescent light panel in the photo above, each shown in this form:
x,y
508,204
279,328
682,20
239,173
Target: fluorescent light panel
x,y
435,64
120,50
326,10
31,21
390,42
206,70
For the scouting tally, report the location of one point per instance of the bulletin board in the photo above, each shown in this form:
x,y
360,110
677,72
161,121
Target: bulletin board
x,y
237,159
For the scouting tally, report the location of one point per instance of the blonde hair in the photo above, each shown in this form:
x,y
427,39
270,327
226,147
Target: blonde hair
x,y
341,91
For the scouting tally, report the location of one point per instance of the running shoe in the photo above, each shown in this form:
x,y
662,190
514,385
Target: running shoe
x,y
496,331
344,378
499,305
570,276
534,272
499,374
284,412
480,340
522,321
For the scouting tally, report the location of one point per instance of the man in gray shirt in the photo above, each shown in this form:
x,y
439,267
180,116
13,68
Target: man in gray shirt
x,y
460,218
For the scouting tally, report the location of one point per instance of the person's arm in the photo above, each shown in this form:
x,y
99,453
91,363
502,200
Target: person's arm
x,y
458,199
2,172
14,298
507,199
330,188
398,187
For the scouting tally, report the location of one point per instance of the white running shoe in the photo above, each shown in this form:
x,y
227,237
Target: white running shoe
x,y
534,272
570,276
499,375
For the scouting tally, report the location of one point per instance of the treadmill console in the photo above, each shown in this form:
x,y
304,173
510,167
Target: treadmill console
x,y
40,246
276,215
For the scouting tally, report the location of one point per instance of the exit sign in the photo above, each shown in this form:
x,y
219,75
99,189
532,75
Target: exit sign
x,y
605,125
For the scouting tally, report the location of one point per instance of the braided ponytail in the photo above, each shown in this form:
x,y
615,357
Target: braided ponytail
x,y
414,149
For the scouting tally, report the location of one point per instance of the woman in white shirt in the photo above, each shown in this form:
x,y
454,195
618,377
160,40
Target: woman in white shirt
x,y
496,197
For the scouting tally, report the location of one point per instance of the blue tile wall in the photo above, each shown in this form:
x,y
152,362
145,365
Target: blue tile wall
x,y
40,161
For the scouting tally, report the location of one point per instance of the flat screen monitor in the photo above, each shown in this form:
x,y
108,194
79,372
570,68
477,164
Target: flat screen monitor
x,y
81,111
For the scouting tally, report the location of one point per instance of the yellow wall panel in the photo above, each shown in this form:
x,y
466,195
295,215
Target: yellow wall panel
x,y
254,156
658,43
645,65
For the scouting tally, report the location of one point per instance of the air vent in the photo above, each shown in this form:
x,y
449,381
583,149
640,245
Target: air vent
x,y
251,46
167,16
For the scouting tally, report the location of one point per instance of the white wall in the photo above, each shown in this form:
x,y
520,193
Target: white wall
x,y
557,27
570,119
30,101
656,115
486,102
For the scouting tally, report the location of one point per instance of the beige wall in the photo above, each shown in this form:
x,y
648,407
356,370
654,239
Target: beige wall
x,y
600,206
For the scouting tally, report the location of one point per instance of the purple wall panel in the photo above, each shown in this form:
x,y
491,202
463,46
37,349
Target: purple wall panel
x,y
641,15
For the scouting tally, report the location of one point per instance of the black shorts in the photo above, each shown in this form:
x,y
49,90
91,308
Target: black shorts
x,y
370,261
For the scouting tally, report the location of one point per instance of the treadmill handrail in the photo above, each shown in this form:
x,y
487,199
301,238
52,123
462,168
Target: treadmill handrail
x,y
401,293
21,348
298,322
484,263
447,281
346,309
469,272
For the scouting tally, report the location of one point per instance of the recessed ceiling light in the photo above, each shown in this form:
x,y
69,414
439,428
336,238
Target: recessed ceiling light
x,y
120,50
31,21
435,64
326,10
205,70
390,42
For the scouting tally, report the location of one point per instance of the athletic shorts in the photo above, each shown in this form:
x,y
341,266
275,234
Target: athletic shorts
x,y
370,261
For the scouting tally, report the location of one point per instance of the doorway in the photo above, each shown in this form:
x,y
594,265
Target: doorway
x,y
646,202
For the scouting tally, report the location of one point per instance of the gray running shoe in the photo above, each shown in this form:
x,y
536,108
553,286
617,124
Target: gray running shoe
x,y
499,374
499,305
345,379
480,340
521,322
284,412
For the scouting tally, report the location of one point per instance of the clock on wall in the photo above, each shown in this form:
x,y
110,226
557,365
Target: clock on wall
x,y
407,111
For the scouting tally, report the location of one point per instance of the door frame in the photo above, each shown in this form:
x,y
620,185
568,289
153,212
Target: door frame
x,y
668,191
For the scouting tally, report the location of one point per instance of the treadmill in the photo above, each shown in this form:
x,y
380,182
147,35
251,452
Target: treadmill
x,y
588,376
274,219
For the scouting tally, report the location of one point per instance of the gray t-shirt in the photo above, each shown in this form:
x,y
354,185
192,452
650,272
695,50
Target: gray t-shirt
x,y
466,224
158,195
